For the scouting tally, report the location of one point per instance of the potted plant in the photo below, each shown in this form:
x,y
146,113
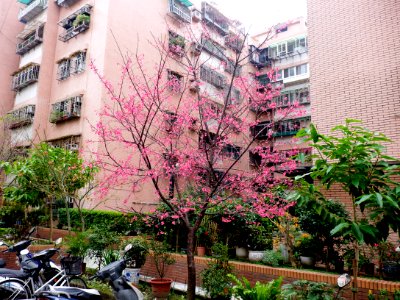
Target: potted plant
x,y
305,248
135,257
259,240
162,259
81,19
78,246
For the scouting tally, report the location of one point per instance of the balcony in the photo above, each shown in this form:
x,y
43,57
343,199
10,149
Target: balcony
x,y
290,127
214,18
24,77
65,3
213,48
76,23
259,57
179,9
65,110
262,131
213,77
32,10
21,117
74,31
31,41
234,42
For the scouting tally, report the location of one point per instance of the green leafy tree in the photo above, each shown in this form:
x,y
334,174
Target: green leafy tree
x,y
47,174
354,158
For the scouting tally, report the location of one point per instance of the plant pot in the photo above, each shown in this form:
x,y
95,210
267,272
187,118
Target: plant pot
x,y
256,255
241,252
161,287
201,251
307,261
132,275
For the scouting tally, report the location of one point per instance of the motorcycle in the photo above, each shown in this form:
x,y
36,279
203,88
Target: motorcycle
x,y
112,273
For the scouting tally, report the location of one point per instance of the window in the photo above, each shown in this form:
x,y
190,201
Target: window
x,y
290,97
170,119
78,62
174,81
282,49
70,142
295,71
25,76
63,69
302,69
74,65
230,151
66,109
176,43
207,140
21,117
290,46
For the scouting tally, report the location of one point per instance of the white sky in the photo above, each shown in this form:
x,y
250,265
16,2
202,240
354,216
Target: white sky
x,y
258,15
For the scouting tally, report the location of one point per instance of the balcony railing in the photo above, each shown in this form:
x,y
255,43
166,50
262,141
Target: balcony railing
x,y
25,77
212,48
259,57
31,41
180,11
65,3
21,117
67,109
213,17
234,42
32,10
74,31
213,77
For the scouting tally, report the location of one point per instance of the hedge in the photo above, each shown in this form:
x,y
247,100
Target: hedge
x,y
116,221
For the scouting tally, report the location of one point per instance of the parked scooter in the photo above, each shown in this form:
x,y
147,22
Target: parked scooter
x,y
111,273
22,254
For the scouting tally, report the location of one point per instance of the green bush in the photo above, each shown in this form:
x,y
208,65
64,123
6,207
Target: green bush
x,y
243,289
304,289
116,221
272,258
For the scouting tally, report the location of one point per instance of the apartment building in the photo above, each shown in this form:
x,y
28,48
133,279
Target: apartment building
x,y
284,48
57,97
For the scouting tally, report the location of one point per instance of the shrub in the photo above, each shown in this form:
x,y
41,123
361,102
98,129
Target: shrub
x,y
116,221
272,258
304,289
215,277
243,289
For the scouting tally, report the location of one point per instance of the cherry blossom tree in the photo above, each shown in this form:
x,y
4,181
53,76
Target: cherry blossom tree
x,y
167,130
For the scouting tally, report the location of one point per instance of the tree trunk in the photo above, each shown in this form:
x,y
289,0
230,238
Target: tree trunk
x,y
191,283
51,219
68,217
81,218
355,270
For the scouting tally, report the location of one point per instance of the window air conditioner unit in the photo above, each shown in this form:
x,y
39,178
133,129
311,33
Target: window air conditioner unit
x,y
196,48
196,15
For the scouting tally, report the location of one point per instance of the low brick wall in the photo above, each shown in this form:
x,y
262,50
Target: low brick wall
x,y
254,272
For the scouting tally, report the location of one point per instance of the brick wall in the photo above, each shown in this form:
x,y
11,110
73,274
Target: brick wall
x,y
355,64
254,272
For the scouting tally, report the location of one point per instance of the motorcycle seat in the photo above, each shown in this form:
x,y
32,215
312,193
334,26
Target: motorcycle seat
x,y
4,272
74,292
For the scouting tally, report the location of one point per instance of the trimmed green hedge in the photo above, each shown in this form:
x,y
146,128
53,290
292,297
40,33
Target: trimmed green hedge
x,y
116,221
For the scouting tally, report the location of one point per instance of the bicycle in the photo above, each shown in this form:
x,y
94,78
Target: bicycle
x,y
41,273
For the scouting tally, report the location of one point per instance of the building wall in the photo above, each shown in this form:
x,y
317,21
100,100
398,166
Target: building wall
x,y
8,58
355,64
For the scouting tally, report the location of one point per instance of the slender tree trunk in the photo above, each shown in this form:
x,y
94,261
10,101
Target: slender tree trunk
x,y
51,219
191,283
81,218
355,270
68,217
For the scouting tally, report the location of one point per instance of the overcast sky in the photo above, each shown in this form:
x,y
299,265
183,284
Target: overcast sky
x,y
258,15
